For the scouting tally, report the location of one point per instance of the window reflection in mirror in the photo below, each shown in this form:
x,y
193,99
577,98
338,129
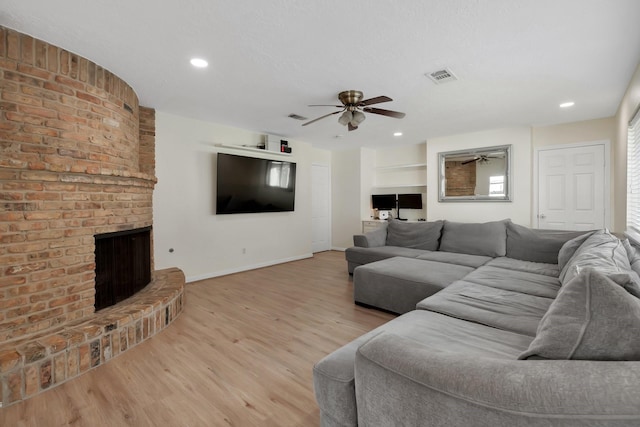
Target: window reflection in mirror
x,y
481,174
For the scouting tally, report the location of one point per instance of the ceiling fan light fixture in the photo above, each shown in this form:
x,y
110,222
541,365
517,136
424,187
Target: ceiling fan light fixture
x,y
353,108
345,118
358,117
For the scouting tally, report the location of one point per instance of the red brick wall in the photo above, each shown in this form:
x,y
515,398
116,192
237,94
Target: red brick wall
x,y
460,179
147,149
76,159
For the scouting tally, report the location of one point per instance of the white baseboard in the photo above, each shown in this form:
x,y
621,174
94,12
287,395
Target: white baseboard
x,y
190,279
335,248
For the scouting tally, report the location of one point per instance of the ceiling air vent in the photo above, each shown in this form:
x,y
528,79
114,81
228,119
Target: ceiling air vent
x,y
297,116
442,76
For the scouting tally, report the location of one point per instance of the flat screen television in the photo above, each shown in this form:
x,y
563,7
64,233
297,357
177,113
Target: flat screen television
x,y
251,185
383,202
410,201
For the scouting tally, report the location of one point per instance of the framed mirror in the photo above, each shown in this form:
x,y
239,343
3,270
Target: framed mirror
x,y
480,175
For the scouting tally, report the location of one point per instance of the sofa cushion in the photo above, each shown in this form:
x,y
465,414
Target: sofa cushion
x,y
513,280
398,284
593,318
333,376
417,235
600,250
629,281
361,256
633,255
372,239
569,249
499,308
455,258
551,270
488,239
536,245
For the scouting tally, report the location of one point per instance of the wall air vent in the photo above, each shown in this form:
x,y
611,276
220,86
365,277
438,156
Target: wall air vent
x,y
442,76
297,116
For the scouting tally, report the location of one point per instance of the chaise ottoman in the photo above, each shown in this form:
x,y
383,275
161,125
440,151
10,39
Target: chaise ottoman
x,y
398,284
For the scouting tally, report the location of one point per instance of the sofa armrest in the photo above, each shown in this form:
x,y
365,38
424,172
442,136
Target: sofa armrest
x,y
372,239
400,381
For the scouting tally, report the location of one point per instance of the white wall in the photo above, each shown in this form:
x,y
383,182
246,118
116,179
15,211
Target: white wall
x,y
206,244
367,177
346,198
519,210
321,157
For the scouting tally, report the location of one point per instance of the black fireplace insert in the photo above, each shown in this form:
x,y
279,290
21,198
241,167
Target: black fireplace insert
x,y
123,265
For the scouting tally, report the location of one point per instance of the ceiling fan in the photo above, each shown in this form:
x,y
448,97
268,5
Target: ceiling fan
x,y
353,106
480,159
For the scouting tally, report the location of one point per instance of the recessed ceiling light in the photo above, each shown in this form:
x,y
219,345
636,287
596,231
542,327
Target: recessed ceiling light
x,y
199,63
567,104
397,134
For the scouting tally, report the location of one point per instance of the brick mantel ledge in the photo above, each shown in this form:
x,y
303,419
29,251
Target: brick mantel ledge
x,y
36,364
89,176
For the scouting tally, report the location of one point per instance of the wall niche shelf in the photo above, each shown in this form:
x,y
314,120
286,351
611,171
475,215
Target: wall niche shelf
x,y
400,167
409,175
252,149
400,186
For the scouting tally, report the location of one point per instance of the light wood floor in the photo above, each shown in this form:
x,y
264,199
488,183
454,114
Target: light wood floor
x,y
240,354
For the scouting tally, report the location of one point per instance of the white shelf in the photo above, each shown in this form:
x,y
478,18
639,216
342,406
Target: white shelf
x,y
399,185
399,167
252,149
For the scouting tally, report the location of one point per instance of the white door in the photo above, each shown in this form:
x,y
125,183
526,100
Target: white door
x,y
320,207
571,188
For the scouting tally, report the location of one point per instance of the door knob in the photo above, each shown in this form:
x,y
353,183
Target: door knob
x,y
542,216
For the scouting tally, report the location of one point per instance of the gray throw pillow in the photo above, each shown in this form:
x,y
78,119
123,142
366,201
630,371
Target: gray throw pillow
x,y
592,318
569,248
601,250
417,235
537,245
488,239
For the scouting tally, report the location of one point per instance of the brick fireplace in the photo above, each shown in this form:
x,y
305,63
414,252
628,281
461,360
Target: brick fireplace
x,y
76,160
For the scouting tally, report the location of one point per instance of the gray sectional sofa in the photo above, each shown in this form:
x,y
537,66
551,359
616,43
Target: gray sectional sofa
x,y
510,326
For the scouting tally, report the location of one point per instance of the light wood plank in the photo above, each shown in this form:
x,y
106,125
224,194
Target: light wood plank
x,y
241,354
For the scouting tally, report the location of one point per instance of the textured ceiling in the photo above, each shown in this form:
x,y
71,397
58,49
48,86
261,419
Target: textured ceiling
x,y
515,60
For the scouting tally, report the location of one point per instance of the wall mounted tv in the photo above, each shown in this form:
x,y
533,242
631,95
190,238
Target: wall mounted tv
x,y
250,185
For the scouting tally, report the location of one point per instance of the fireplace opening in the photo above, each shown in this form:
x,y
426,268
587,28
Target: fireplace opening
x,y
123,265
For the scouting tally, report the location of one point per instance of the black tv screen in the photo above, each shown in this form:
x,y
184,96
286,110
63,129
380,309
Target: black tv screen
x,y
250,185
383,201
410,201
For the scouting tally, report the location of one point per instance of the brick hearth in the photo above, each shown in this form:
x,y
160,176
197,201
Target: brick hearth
x,y
33,365
76,159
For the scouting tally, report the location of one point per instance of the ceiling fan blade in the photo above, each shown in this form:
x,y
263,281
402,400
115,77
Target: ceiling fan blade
x,y
470,161
351,127
376,100
383,112
324,105
321,117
